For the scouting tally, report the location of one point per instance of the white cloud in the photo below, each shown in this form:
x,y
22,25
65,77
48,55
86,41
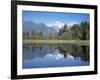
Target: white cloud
x,y
70,56
57,57
72,23
57,23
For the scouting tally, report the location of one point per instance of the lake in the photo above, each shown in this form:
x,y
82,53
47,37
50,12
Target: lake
x,y
54,55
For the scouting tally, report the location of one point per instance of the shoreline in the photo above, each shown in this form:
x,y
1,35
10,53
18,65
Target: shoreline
x,y
81,42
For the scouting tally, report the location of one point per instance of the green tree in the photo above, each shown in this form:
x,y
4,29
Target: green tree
x,y
41,35
75,32
63,32
85,30
27,35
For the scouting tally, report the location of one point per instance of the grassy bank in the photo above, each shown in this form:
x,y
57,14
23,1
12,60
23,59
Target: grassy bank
x,y
83,42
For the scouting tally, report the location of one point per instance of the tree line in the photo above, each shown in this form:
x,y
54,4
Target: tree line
x,y
79,31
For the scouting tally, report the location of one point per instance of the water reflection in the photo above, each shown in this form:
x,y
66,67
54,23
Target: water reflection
x,y
54,55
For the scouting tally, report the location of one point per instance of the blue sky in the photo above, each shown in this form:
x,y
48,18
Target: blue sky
x,y
55,18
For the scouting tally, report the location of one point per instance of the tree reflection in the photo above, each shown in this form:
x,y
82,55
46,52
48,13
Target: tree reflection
x,y
80,51
41,50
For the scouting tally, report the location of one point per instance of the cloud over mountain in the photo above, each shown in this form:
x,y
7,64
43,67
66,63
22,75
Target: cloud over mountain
x,y
57,23
72,23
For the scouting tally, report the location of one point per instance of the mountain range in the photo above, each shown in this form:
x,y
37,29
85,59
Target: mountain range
x,y
29,26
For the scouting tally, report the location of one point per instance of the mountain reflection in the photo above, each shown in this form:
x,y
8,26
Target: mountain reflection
x,y
57,51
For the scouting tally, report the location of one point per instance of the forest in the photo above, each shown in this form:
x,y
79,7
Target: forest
x,y
79,31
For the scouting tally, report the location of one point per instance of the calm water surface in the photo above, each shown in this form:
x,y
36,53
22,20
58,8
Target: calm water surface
x,y
54,55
